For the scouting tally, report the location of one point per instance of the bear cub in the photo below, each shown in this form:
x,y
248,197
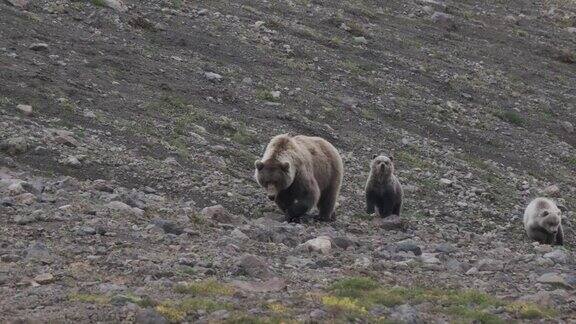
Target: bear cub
x,y
543,222
300,172
383,190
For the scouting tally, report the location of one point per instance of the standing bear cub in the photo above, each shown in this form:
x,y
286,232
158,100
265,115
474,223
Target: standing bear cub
x,y
383,190
300,172
543,222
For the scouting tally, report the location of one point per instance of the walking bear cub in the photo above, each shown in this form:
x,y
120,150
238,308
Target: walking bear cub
x,y
383,190
300,172
543,222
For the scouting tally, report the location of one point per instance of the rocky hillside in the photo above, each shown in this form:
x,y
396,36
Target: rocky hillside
x,y
128,133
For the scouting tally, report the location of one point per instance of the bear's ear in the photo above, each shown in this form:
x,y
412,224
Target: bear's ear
x,y
545,213
259,165
391,157
374,156
285,166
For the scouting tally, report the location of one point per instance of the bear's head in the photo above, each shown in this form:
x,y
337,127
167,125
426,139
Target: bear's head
x,y
382,165
549,219
274,176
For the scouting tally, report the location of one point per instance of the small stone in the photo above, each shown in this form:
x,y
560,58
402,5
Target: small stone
x,y
115,4
102,185
38,252
429,258
317,314
149,316
405,314
72,161
119,206
25,109
24,219
236,233
554,279
445,248
168,227
444,20
391,223
220,315
219,214
88,230
213,77
14,146
39,47
252,266
408,246
63,137
558,256
18,3
552,191
275,94
472,271
25,199
343,242
360,40
110,287
44,278
89,114
568,126
321,244
490,265
446,182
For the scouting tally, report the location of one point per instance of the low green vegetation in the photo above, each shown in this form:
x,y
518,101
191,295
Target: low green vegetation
x,y
354,297
244,319
177,311
511,117
265,95
99,3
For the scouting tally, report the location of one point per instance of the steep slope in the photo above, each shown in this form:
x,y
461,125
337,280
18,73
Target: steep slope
x,y
145,114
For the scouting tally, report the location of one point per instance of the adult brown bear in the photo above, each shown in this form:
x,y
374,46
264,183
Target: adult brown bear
x,y
300,172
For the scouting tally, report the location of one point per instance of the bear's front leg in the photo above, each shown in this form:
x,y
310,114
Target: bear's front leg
x,y
560,236
293,205
298,208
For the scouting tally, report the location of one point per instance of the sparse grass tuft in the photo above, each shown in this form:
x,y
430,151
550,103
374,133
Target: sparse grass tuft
x,y
5,101
530,310
177,312
362,216
98,3
244,319
277,308
511,117
354,286
355,294
205,288
177,4
265,95
356,29
343,304
142,301
571,160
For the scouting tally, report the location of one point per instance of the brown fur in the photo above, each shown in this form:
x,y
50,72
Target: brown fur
x,y
543,221
384,193
301,172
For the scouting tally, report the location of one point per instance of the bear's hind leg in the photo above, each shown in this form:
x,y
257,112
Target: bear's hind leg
x,y
327,205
